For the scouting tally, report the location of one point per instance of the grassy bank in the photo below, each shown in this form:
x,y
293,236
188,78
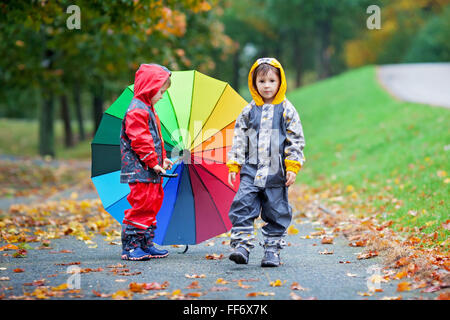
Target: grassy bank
x,y
20,138
391,153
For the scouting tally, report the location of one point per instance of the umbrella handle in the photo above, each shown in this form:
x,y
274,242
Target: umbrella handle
x,y
169,175
185,249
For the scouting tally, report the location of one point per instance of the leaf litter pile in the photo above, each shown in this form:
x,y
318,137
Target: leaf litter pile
x,y
416,260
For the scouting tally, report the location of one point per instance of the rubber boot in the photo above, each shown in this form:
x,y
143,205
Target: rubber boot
x,y
149,247
240,255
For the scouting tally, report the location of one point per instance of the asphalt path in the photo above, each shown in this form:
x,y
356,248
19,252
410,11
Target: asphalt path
x,y
337,276
427,83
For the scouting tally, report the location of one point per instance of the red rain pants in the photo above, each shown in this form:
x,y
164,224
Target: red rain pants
x,y
145,200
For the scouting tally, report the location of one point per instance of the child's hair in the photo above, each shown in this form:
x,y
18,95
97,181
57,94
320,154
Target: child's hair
x,y
264,69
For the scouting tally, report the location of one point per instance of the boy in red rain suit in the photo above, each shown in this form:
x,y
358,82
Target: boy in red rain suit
x,y
143,159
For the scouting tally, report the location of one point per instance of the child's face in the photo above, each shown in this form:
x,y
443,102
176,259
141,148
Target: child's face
x,y
160,93
267,85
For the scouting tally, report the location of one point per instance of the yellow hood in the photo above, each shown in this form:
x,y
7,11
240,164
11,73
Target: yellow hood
x,y
281,94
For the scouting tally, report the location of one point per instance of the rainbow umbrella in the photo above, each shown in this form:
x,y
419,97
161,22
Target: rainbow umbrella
x,y
197,116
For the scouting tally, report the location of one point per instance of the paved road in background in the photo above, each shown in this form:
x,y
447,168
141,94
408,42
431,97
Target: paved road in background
x,y
427,83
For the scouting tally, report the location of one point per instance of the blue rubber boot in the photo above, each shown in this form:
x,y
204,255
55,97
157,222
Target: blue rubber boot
x,y
131,244
149,247
135,254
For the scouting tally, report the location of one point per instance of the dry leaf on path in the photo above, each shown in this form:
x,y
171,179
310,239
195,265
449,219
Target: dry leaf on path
x,y
297,286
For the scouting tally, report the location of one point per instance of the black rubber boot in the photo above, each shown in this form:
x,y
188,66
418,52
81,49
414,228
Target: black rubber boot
x,y
240,255
271,257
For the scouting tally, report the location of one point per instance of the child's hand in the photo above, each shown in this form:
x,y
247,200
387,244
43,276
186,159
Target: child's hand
x,y
158,169
290,177
167,164
231,178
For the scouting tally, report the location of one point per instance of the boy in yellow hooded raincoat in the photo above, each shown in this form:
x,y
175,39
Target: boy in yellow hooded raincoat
x,y
267,151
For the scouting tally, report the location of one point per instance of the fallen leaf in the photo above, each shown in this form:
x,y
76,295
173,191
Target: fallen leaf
x,y
214,256
277,283
401,275
68,264
63,286
101,295
122,294
194,276
403,286
292,230
194,294
297,286
18,270
367,255
327,240
392,298
255,294
9,246
193,285
360,243
317,233
243,286
444,296
402,262
221,281
136,287
156,285
326,252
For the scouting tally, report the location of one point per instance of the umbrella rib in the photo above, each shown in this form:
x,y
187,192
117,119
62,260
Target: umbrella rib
x,y
169,134
209,195
106,209
176,197
192,100
174,113
211,173
193,202
211,137
209,116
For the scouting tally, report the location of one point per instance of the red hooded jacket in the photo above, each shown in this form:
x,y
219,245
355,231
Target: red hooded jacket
x,y
148,81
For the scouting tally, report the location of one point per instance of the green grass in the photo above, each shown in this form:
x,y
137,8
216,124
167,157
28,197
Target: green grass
x,y
357,134
20,138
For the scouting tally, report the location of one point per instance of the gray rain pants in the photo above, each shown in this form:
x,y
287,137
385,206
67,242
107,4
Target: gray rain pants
x,y
249,202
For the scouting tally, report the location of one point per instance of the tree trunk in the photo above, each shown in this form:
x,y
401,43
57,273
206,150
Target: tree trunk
x,y
236,67
65,116
46,127
297,63
46,116
79,111
97,106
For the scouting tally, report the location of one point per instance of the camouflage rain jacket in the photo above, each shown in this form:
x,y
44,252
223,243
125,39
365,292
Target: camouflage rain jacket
x,y
268,138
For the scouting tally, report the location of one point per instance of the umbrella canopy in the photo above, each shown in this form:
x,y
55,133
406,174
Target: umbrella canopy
x,y
197,115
